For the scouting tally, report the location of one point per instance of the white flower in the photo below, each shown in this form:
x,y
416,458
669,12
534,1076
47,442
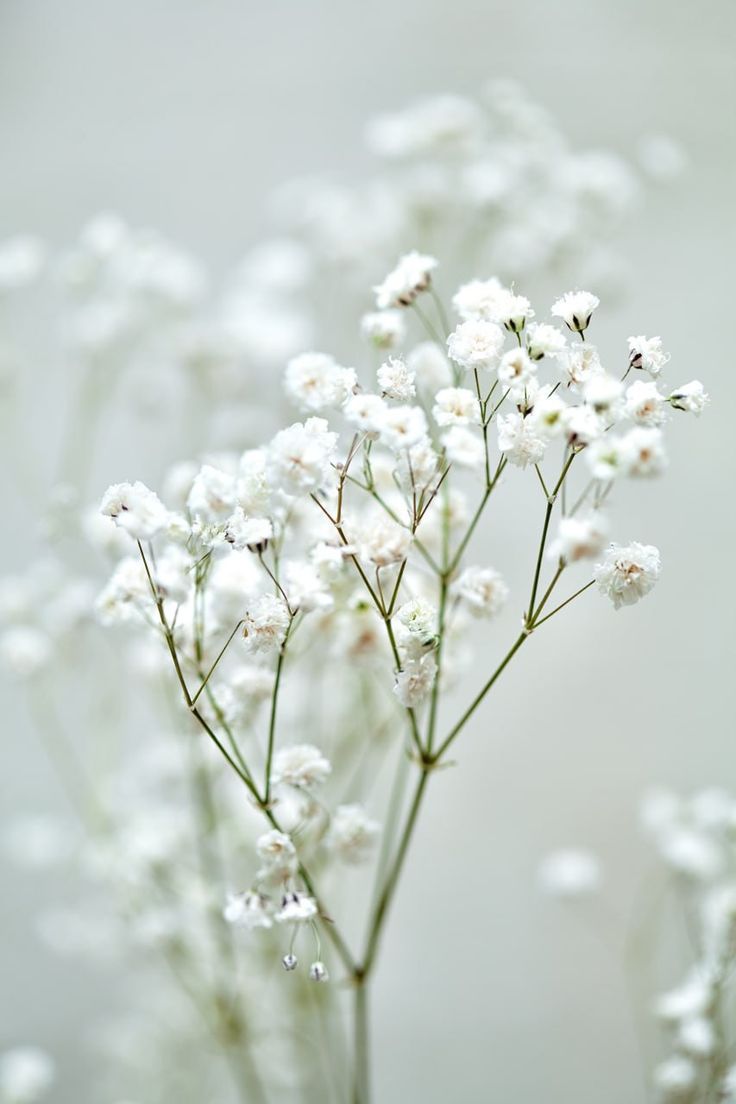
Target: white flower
x,y
570,873
547,413
482,590
403,427
691,853
411,276
266,621
26,1074
419,619
478,300
243,532
579,538
366,411
136,509
25,650
520,440
691,397
296,908
544,340
647,353
512,311
627,572
381,540
299,457
475,344
602,393
644,452
248,910
396,380
278,855
430,366
608,458
581,425
578,363
213,495
385,329
463,447
675,1079
575,309
316,382
693,998
304,586
516,368
246,688
21,262
644,404
300,765
415,680
697,1037
352,834
456,406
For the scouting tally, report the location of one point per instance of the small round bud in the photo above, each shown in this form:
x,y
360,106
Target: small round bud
x,y
289,962
318,972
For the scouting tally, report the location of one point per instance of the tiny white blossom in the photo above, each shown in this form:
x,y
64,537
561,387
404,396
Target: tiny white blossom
x,y
544,340
675,1079
627,572
513,311
403,427
570,874
315,382
300,765
430,366
579,538
482,590
581,425
456,406
415,680
644,404
136,509
412,275
463,447
266,621
366,412
520,440
478,300
644,452
385,329
578,363
396,380
352,834
419,618
608,458
248,910
575,309
602,393
647,353
243,532
213,495
475,344
547,414
296,908
299,457
278,855
691,397
516,368
381,540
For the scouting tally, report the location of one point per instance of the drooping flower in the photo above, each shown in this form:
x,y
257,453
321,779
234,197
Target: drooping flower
x,y
412,275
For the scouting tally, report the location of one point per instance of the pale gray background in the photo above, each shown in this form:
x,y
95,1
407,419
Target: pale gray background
x,y
183,115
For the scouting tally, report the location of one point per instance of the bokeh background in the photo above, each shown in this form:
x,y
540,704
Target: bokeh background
x,y
185,116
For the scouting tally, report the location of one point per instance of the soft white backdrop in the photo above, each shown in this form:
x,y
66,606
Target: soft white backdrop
x,y
183,115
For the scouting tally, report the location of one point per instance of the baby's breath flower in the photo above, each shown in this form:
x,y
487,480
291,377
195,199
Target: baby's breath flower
x,y
300,765
318,972
213,495
575,309
602,393
691,397
415,680
396,380
385,329
675,1080
412,275
136,509
579,538
578,363
456,406
296,908
581,425
316,382
266,621
381,540
479,299
644,452
430,366
644,404
463,447
627,572
647,353
520,440
352,834
252,533
475,344
403,427
512,311
278,855
249,910
544,340
516,368
366,412
481,590
299,457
